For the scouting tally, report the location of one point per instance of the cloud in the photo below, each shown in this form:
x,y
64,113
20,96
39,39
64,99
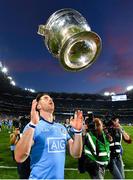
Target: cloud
x,y
97,76
120,68
119,54
116,89
117,61
100,72
123,67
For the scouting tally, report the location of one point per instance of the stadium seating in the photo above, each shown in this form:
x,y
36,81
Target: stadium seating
x,y
16,101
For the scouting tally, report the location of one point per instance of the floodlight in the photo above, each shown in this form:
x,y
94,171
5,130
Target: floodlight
x,y
4,70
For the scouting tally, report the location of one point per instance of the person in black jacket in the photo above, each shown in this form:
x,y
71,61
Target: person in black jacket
x,y
118,133
24,168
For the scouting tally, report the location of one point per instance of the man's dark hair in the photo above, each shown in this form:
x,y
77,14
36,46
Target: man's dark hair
x,y
114,117
38,97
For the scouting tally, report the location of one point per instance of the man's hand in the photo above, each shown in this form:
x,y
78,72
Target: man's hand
x,y
34,113
77,122
118,126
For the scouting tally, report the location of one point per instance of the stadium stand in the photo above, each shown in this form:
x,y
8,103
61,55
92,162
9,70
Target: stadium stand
x,y
16,101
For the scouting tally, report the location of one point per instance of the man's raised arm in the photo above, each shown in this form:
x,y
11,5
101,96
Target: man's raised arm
x,y
75,145
25,143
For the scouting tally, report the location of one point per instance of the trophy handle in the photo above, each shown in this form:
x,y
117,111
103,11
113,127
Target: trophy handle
x,y
43,31
51,41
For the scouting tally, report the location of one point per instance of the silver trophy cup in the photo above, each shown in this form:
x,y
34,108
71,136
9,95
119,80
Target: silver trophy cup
x,y
69,38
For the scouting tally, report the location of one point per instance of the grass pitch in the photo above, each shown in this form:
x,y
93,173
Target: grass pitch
x,y
11,173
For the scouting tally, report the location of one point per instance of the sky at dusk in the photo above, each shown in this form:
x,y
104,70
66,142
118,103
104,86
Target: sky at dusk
x,y
31,65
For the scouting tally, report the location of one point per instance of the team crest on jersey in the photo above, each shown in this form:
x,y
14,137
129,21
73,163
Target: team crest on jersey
x,y
63,131
56,145
46,129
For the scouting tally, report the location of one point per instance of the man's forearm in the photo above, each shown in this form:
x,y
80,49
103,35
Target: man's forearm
x,y
76,147
126,137
24,145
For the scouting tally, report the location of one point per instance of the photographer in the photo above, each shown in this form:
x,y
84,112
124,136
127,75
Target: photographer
x,y
14,137
24,167
96,148
117,132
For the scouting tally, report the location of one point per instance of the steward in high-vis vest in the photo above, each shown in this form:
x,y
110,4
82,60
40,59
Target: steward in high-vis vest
x,y
116,164
96,150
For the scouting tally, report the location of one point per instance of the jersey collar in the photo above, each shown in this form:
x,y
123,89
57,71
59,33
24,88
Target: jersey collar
x,y
41,118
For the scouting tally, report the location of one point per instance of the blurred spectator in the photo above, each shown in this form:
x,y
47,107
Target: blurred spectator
x,y
67,123
14,137
10,124
118,133
15,122
0,125
24,168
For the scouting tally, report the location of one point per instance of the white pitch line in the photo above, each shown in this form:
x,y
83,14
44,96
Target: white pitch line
x,y
67,169
7,167
74,169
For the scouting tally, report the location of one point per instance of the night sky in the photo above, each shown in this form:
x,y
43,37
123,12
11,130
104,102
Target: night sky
x,y
31,65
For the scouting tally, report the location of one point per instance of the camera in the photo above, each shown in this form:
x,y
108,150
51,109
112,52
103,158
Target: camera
x,y
89,121
24,120
108,121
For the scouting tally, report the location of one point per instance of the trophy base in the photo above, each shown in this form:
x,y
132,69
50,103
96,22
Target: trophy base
x,y
80,51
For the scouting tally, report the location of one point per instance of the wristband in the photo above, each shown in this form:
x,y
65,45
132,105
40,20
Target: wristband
x,y
32,125
77,131
79,134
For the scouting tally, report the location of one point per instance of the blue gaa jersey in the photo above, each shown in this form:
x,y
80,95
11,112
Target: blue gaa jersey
x,y
48,152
